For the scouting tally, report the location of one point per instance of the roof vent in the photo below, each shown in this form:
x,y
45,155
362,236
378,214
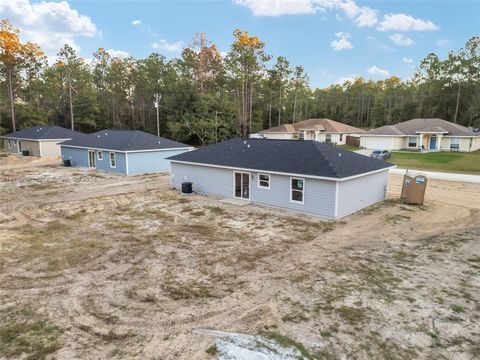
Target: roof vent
x,y
339,154
248,146
245,142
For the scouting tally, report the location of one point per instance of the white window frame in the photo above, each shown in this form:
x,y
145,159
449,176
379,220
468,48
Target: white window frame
x,y
340,136
261,186
459,142
303,190
249,184
416,141
99,155
114,158
9,142
328,138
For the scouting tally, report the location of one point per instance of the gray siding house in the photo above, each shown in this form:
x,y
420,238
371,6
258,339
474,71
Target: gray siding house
x,y
304,176
127,152
40,140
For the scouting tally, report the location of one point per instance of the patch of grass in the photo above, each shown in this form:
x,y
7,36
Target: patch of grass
x,y
352,315
198,213
24,332
288,342
457,308
459,162
212,350
348,147
217,210
396,218
188,290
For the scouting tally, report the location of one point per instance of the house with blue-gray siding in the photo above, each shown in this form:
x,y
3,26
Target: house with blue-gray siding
x,y
127,152
304,176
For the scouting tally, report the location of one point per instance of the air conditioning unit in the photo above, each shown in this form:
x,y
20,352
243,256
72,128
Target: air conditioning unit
x,y
25,152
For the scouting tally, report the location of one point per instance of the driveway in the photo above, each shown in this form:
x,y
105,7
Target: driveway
x,y
365,152
442,175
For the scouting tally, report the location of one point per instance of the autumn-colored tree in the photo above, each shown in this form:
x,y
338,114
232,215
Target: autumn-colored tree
x,y
246,62
14,56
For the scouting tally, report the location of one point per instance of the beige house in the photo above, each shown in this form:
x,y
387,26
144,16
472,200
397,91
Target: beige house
x,y
322,130
421,135
39,141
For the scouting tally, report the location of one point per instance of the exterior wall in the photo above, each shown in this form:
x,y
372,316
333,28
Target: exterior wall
x,y
466,144
150,161
361,192
382,142
319,195
79,158
32,146
14,146
279,136
50,148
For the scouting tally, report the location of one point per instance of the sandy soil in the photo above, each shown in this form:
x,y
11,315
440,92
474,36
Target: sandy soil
x,y
116,267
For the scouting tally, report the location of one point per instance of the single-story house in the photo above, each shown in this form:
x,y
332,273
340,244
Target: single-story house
x,y
40,140
421,135
322,130
128,152
304,176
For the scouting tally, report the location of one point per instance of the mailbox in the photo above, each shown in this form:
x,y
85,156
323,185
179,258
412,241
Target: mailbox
x,y
413,189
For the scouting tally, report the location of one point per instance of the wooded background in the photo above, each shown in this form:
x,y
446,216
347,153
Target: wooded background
x,y
205,96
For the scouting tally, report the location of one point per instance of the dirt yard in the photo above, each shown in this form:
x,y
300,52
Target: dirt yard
x,y
98,266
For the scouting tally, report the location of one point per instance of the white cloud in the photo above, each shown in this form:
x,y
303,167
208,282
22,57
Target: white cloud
x,y
361,15
48,23
407,60
401,40
278,7
344,79
341,43
118,53
443,42
375,70
404,22
136,22
167,46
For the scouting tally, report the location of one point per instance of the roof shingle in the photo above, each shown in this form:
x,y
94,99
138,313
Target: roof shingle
x,y
324,125
286,156
124,140
415,126
44,132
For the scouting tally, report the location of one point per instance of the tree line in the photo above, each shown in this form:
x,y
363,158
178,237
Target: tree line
x,y
204,96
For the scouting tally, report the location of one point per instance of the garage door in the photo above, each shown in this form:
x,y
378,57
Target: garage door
x,y
379,143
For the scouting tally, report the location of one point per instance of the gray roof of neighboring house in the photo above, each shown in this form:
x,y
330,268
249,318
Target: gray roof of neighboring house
x,y
124,140
416,126
43,132
286,156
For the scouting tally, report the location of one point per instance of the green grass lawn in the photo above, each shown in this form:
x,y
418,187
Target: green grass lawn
x,y
468,163
348,147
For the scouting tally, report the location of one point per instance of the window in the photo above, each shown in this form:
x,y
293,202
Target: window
x,y
341,137
301,136
100,155
328,138
113,160
264,181
412,141
455,144
9,143
297,187
14,142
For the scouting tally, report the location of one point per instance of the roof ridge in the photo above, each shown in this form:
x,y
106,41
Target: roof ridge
x,y
318,147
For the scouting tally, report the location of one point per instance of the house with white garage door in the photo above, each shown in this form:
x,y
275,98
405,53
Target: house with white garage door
x,y
304,176
421,135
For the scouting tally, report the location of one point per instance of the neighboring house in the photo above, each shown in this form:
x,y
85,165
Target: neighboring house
x,y
421,135
40,140
305,176
128,152
322,130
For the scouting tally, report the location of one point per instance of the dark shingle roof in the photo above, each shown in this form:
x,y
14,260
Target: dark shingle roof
x,y
124,140
415,126
286,156
44,132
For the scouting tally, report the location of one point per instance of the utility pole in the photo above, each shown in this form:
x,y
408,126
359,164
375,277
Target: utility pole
x,y
158,97
216,125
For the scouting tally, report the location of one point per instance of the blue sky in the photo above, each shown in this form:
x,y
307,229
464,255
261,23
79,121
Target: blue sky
x,y
332,39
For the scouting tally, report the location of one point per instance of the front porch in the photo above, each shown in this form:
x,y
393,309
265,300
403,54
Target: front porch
x,y
425,141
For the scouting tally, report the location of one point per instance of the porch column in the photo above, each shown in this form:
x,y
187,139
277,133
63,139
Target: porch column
x,y
420,143
316,135
439,141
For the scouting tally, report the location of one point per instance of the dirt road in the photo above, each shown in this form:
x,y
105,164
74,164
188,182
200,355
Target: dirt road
x,y
118,267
